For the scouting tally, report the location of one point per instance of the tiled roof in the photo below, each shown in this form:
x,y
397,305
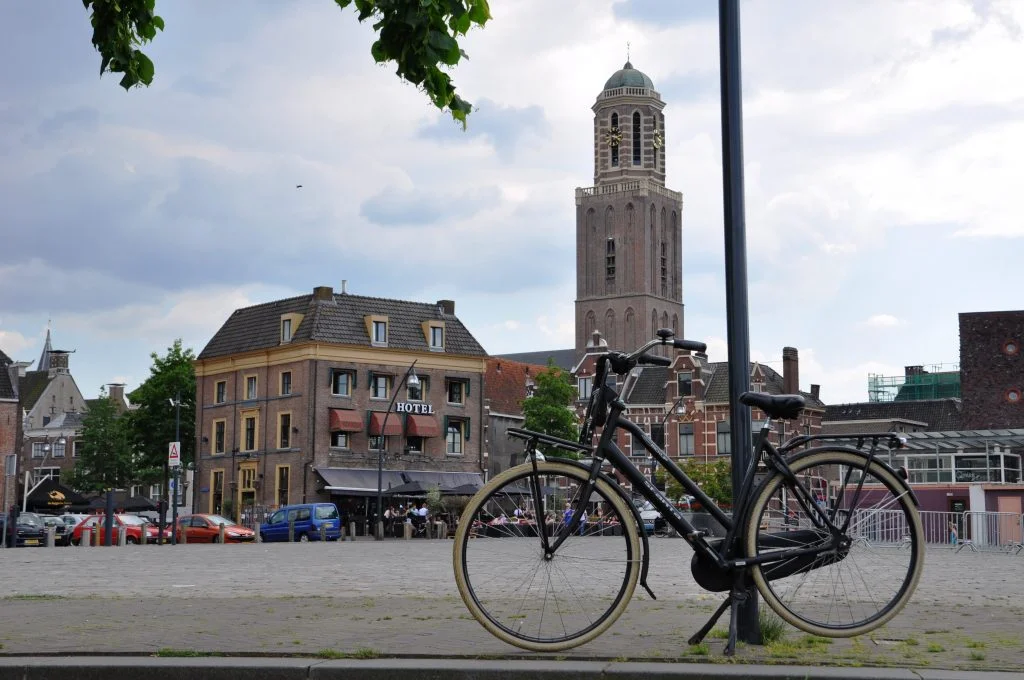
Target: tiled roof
x,y
4,359
505,384
649,387
565,359
6,386
716,387
936,414
339,320
31,387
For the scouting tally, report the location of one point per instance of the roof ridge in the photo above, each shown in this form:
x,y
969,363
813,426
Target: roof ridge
x,y
272,302
384,299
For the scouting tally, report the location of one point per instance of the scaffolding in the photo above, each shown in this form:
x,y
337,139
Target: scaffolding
x,y
938,381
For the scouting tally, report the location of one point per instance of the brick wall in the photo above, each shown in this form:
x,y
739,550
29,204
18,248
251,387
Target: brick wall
x,y
992,369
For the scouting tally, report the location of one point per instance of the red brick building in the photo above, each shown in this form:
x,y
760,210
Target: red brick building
x,y
10,431
992,369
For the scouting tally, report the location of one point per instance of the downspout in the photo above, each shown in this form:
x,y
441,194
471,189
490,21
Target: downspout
x,y
483,425
200,405
311,428
266,428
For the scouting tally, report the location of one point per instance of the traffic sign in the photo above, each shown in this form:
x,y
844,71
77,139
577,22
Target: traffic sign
x,y
174,454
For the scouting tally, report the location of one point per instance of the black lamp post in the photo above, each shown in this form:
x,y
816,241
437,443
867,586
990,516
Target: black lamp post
x,y
173,495
378,524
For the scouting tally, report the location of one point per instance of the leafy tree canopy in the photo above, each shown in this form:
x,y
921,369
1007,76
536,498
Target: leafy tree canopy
x,y
419,36
549,408
714,477
106,452
171,377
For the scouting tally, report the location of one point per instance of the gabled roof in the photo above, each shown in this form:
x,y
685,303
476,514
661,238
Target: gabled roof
x,y
650,386
936,414
338,320
7,390
716,387
31,386
4,359
565,359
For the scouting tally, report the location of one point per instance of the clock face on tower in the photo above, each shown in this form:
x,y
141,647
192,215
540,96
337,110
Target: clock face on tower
x,y
613,137
658,141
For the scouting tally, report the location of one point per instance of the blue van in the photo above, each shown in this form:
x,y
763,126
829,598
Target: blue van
x,y
308,518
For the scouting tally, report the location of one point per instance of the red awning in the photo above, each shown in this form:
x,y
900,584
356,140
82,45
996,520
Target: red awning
x,y
343,420
422,426
394,425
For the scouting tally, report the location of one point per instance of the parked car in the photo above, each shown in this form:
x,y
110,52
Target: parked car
x,y
61,533
307,519
72,519
130,524
30,530
204,528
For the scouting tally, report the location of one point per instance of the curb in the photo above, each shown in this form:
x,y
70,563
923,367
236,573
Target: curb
x,y
244,668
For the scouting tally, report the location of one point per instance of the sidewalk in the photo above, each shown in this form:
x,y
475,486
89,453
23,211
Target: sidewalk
x,y
397,599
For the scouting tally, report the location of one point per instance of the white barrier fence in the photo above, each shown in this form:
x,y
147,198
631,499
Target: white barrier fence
x,y
977,531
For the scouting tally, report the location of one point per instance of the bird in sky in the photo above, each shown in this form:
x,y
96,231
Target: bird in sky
x,y
298,186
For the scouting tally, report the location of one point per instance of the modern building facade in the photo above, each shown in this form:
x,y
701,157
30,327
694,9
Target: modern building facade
x,y
293,402
992,369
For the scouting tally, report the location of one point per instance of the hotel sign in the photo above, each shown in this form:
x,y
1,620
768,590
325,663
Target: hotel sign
x,y
408,407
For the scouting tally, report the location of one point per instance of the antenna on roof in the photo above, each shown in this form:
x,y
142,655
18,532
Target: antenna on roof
x,y
627,50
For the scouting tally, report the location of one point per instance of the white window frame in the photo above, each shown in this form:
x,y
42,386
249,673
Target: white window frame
x,y
251,387
348,383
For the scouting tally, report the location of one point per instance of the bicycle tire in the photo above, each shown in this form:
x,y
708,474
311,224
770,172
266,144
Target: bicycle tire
x,y
896,515
469,578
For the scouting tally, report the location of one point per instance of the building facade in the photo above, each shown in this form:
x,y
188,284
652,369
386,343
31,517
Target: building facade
x,y
10,431
628,225
298,400
992,369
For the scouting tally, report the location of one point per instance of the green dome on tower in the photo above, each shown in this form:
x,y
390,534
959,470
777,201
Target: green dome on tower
x,y
628,76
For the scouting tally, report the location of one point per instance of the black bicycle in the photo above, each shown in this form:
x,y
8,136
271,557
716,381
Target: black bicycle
x,y
547,554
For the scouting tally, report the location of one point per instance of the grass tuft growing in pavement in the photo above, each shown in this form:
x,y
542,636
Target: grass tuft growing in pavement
x,y
773,629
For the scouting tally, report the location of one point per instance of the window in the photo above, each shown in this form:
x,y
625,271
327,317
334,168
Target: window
x,y
724,438
436,337
216,491
686,439
609,259
220,392
658,435
250,433
458,390
135,490
46,420
637,139
283,474
38,450
584,386
286,330
417,392
250,387
339,440
375,443
58,449
284,429
664,271
219,427
74,449
341,383
286,382
456,434
414,444
380,332
684,380
41,473
380,386
615,145
156,492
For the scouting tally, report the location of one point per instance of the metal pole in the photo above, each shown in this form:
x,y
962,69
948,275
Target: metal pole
x,y
378,517
177,471
748,628
108,521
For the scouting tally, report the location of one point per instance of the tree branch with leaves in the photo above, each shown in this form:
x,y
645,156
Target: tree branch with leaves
x,y
549,408
421,37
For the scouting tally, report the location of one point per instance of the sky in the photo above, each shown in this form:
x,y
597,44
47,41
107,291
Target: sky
x,y
883,149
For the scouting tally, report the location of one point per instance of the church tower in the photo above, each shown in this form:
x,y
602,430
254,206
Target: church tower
x,y
628,225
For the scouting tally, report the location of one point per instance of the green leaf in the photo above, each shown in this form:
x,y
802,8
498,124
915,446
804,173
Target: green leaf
x,y
144,67
158,22
442,42
462,23
479,12
452,56
378,52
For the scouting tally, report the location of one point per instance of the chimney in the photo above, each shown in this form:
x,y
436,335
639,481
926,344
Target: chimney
x,y
58,362
323,293
790,370
447,307
116,393
816,391
344,286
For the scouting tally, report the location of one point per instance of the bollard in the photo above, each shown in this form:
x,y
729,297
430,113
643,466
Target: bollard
x,y
442,529
122,535
352,530
379,531
258,536
291,530
51,536
407,528
183,537
96,537
323,533
220,533
144,533
86,538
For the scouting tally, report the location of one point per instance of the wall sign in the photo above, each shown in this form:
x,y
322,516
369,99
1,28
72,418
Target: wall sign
x,y
407,407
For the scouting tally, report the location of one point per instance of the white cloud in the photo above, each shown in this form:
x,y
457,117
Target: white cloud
x,y
882,321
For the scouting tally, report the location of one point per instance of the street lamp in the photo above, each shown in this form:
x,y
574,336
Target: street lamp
x,y
176,403
411,379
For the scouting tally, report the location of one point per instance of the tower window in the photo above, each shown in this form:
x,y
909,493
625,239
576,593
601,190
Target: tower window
x,y
664,271
614,136
636,138
609,258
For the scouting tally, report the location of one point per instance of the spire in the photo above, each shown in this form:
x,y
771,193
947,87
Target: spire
x,y
44,358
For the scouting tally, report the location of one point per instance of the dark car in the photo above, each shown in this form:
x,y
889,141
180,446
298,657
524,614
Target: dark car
x,y
61,531
31,531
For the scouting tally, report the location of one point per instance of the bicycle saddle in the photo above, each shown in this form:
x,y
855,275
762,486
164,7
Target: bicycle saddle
x,y
787,406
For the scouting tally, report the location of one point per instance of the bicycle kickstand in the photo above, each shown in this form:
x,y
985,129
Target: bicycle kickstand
x,y
699,635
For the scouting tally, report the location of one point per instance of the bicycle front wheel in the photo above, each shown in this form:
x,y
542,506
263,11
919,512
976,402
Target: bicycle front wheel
x,y
862,577
537,601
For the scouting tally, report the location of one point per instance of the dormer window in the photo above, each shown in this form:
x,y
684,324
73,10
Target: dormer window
x,y
286,330
433,333
377,329
380,331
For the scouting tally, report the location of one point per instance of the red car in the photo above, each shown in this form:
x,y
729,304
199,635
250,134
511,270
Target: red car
x,y
130,524
206,529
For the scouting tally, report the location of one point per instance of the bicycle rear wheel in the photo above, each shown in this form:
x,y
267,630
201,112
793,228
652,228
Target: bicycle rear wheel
x,y
545,603
875,565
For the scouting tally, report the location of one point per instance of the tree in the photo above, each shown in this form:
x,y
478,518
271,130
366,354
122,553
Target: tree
x,y
713,476
106,450
153,421
419,36
549,408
